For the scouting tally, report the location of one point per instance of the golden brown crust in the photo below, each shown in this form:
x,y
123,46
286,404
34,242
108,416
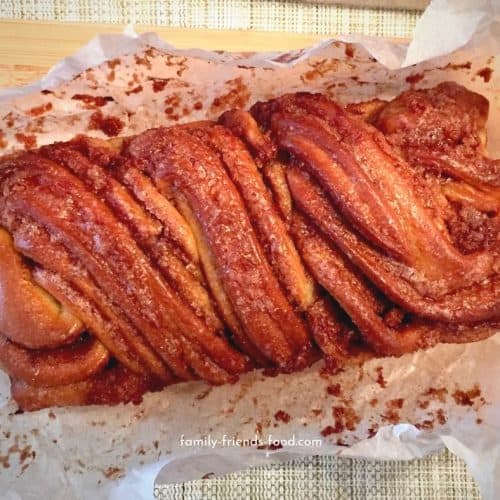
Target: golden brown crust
x,y
109,387
266,221
418,123
28,314
52,367
266,240
441,134
176,158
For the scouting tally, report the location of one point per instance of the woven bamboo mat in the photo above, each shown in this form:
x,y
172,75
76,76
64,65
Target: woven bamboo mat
x,y
260,15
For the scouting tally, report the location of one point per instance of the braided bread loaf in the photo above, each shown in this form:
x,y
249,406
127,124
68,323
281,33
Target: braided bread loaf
x,y
269,239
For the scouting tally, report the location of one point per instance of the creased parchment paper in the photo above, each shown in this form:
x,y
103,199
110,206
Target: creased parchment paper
x,y
388,408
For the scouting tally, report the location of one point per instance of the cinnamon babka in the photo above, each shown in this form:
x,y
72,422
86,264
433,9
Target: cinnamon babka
x,y
297,230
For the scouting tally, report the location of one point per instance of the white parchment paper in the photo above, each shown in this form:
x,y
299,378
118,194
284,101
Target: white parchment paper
x,y
388,408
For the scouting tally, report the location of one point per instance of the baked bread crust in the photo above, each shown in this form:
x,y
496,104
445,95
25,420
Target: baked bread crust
x,y
295,231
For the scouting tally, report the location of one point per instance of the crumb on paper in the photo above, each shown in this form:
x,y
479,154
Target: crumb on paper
x,y
349,50
282,416
334,390
28,141
24,452
327,431
113,472
159,84
467,397
135,90
345,418
320,69
415,78
204,393
437,393
441,416
236,96
380,377
92,101
485,74
392,415
40,110
109,125
458,66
